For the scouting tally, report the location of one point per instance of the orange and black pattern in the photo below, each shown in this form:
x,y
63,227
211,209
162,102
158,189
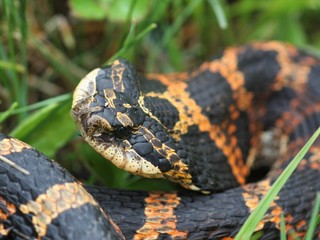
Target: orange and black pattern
x,y
41,200
212,130
250,109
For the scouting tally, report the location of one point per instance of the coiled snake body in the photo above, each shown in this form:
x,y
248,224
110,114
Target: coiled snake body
x,y
208,130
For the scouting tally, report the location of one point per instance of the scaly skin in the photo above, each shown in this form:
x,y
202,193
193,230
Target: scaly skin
x,y
205,129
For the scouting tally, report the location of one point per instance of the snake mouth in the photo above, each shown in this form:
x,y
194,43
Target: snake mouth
x,y
122,155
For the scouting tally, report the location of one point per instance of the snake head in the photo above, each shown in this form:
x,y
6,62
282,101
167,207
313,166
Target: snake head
x,y
107,109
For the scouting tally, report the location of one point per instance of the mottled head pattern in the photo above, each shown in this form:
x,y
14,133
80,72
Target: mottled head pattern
x,y
109,109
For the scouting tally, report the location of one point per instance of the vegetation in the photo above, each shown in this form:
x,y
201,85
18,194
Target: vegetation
x,y
48,46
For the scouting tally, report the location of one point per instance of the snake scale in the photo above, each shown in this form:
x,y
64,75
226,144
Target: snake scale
x,y
211,129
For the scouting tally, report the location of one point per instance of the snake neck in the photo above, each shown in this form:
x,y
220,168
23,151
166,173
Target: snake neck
x,y
202,128
227,109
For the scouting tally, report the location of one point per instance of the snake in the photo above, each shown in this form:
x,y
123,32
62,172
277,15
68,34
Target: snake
x,y
224,131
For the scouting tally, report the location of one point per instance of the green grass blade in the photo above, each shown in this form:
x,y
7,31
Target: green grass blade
x,y
20,16
221,18
315,218
10,23
47,129
130,41
256,216
16,66
12,66
7,113
130,36
58,60
143,33
176,26
43,103
282,228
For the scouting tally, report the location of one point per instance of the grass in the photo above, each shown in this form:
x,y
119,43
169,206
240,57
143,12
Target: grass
x,y
44,53
255,217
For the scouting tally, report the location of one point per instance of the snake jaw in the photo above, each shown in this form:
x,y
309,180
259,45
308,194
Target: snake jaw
x,y
121,154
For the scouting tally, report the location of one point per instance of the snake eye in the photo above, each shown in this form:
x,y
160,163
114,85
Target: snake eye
x,y
122,132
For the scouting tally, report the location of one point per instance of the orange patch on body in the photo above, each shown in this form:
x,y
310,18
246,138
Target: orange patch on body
x,y
291,73
57,199
253,195
290,120
12,145
315,158
3,231
227,67
160,217
190,113
7,209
